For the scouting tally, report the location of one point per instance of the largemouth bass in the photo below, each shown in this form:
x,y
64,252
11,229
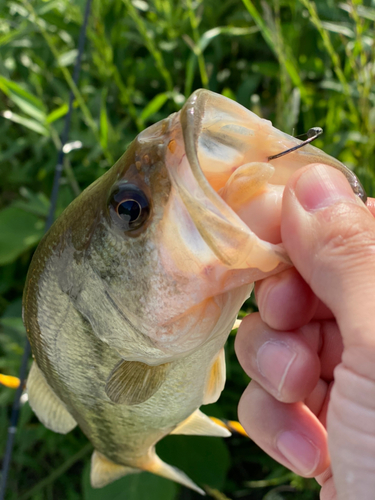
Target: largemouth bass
x,y
132,293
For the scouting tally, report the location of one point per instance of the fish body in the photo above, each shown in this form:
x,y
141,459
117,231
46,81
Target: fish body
x,y
132,293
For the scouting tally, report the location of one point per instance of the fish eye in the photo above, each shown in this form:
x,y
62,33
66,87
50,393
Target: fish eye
x,y
131,205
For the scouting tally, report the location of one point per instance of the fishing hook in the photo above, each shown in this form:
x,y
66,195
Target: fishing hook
x,y
311,134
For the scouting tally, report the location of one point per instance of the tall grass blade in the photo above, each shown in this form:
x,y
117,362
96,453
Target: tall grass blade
x,y
311,7
29,123
272,41
26,101
150,44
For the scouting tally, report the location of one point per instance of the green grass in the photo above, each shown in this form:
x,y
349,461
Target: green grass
x,y
299,63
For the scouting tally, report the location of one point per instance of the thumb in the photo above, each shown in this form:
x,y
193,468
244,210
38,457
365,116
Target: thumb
x,y
330,237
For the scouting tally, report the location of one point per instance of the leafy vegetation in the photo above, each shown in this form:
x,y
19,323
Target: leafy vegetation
x,y
297,62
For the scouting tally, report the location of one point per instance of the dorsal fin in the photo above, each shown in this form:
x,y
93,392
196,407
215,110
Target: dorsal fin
x,y
104,471
133,382
155,465
46,405
216,379
200,424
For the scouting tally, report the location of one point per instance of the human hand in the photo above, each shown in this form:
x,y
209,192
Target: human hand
x,y
311,349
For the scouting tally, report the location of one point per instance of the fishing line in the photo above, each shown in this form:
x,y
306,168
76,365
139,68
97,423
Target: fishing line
x,y
53,200
311,134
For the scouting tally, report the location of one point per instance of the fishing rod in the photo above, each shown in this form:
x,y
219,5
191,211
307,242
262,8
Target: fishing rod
x,y
12,429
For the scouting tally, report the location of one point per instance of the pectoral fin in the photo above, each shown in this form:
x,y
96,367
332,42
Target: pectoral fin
x,y
133,382
104,471
216,379
46,405
200,425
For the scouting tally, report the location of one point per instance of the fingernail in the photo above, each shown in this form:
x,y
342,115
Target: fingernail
x,y
299,451
265,292
321,186
274,360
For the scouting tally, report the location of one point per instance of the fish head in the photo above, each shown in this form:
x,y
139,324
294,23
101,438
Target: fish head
x,y
163,249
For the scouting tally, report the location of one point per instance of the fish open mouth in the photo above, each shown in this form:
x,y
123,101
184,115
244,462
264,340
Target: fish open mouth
x,y
228,149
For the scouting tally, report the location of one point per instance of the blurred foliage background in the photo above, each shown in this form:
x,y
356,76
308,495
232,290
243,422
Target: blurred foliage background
x,y
297,62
